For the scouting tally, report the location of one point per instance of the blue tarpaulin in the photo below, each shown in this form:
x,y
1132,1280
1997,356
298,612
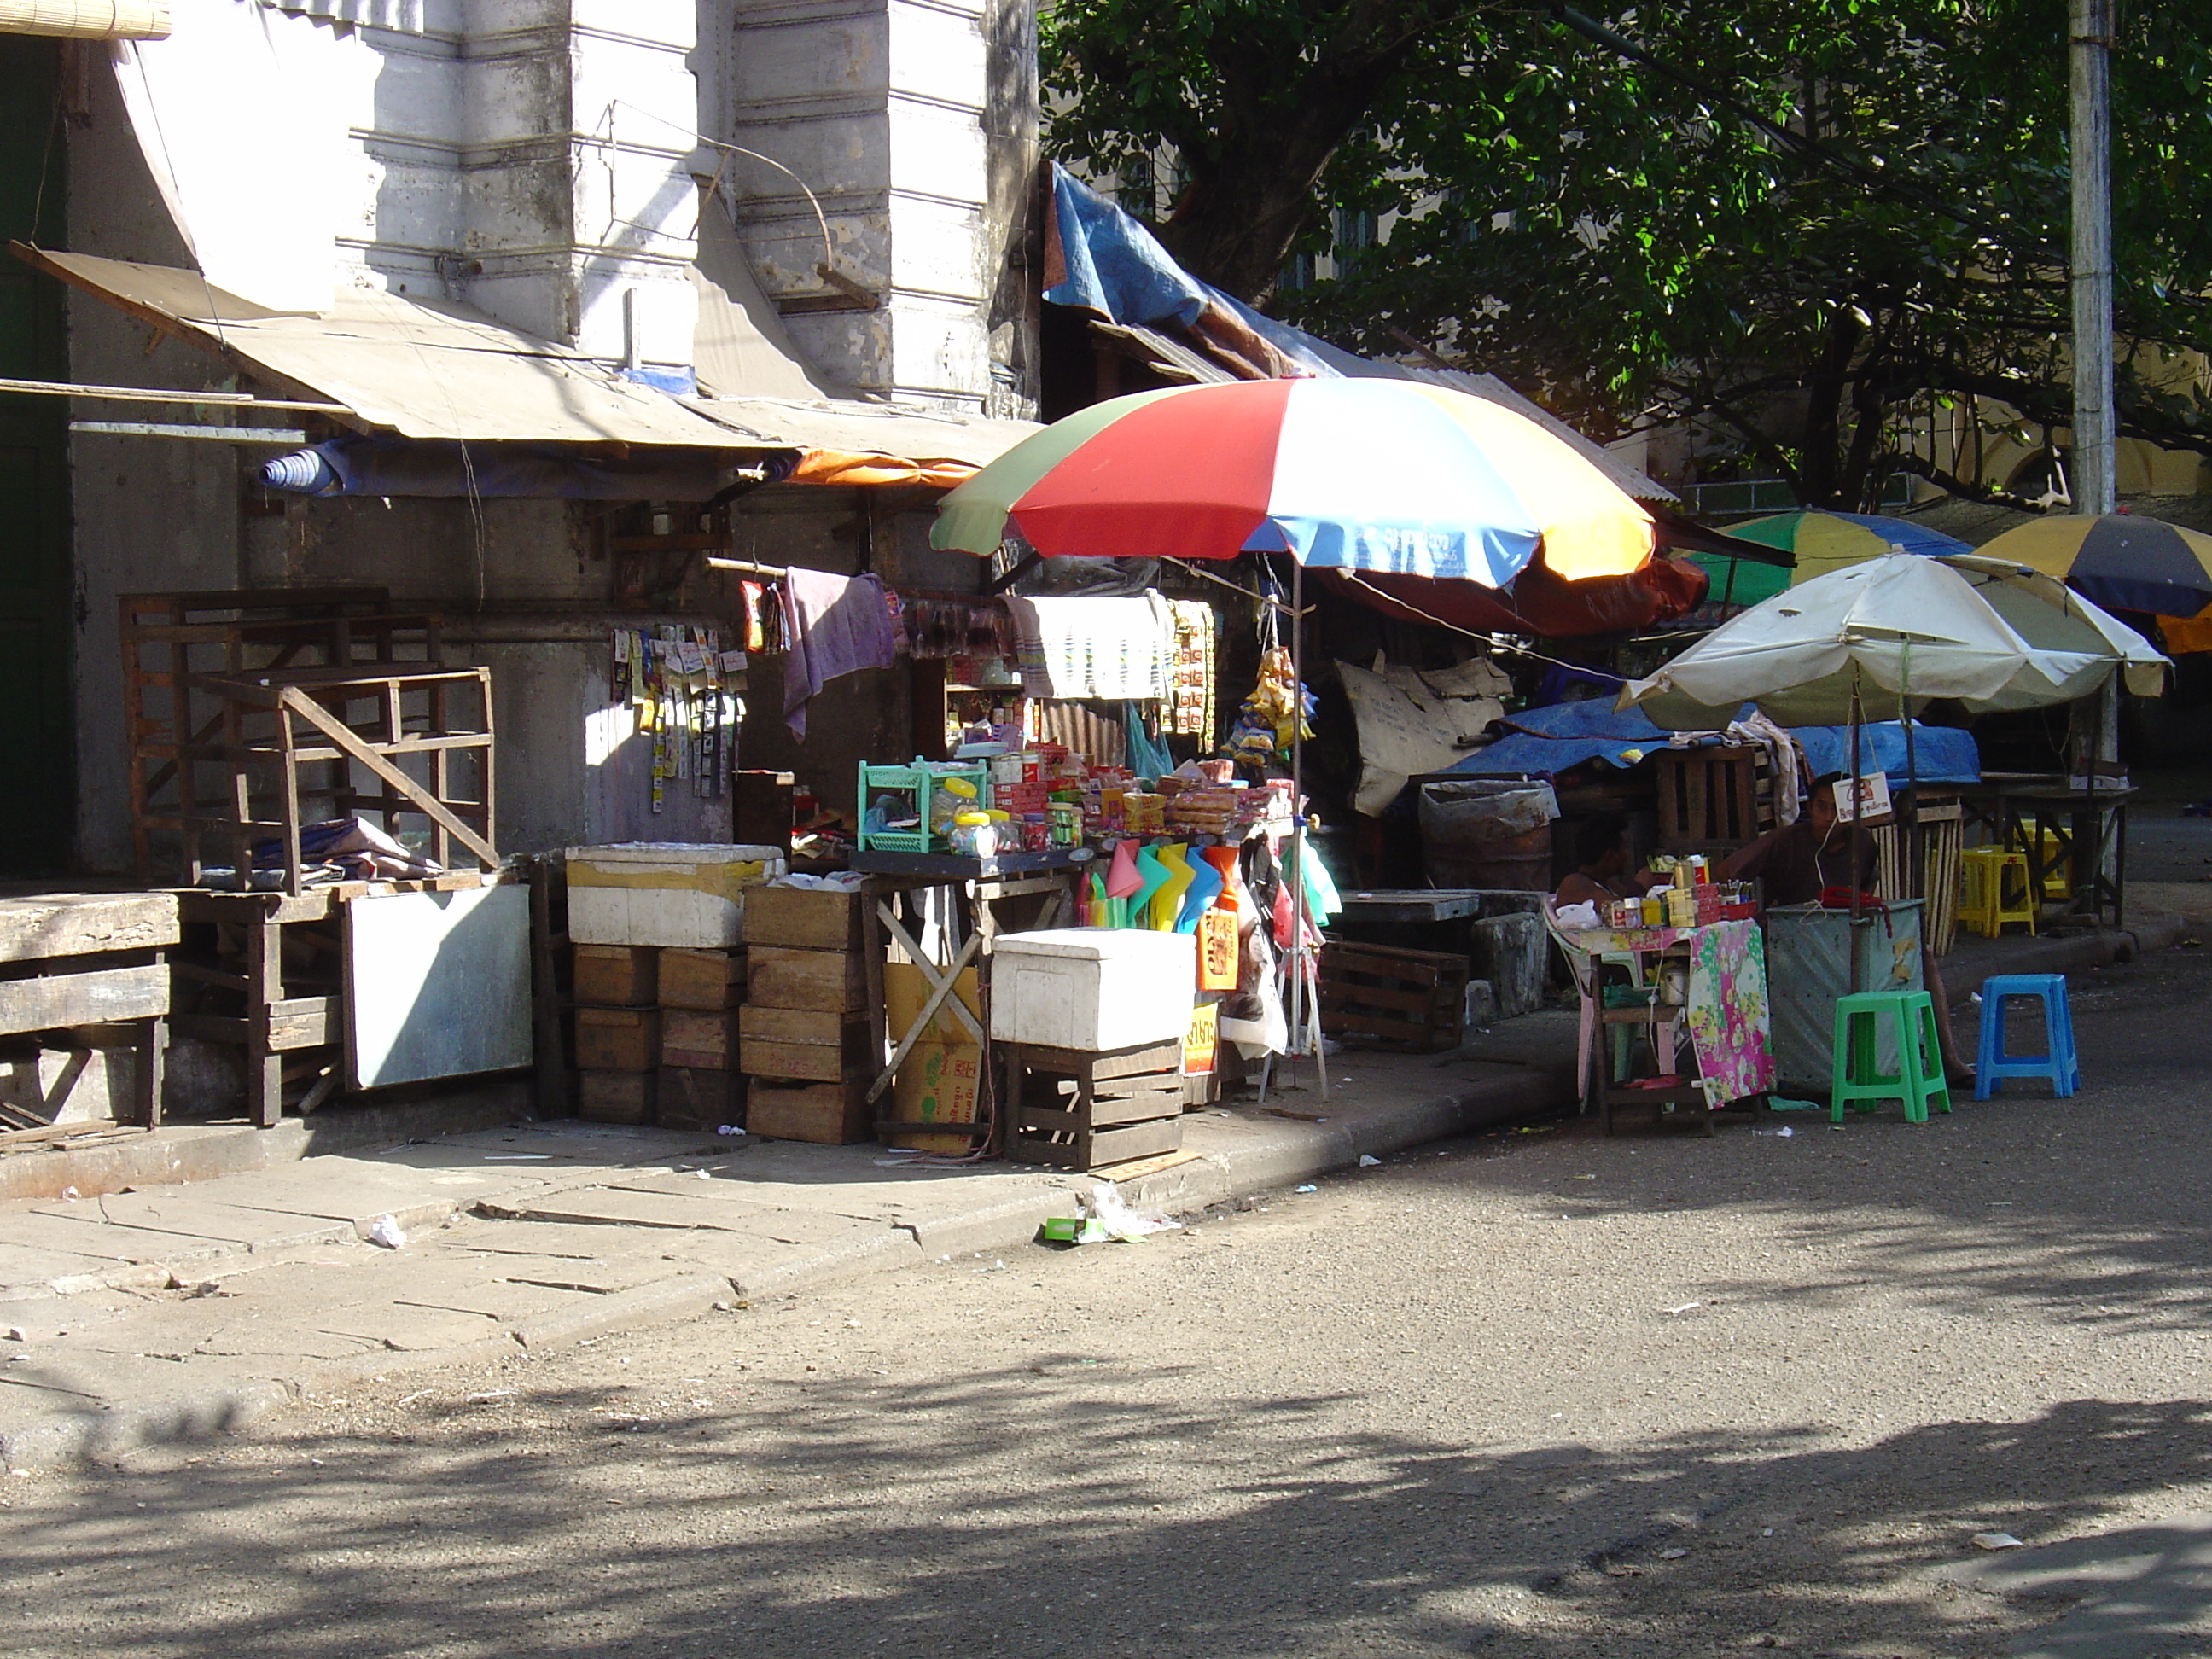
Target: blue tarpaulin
x,y
1548,741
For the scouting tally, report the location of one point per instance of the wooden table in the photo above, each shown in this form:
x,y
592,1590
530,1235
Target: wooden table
x,y
1412,904
92,965
2017,808
1040,885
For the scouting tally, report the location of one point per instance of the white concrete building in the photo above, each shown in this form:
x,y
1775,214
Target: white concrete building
x,y
566,168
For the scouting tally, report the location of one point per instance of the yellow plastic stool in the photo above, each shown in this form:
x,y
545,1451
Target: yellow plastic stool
x,y
1994,890
2058,877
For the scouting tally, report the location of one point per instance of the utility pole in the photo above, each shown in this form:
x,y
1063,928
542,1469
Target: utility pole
x,y
2089,50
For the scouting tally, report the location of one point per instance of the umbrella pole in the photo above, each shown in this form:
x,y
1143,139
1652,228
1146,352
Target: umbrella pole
x,y
1301,1007
1858,828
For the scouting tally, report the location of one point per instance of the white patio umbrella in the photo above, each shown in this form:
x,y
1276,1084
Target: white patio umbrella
x,y
1993,634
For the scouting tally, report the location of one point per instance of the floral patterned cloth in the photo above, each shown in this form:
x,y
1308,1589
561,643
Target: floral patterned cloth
x,y
1727,1012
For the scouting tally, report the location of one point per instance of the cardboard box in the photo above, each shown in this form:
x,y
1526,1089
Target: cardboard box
x,y
697,1099
803,918
905,990
706,1038
779,977
614,1097
830,1114
936,1083
650,892
701,978
618,1039
617,975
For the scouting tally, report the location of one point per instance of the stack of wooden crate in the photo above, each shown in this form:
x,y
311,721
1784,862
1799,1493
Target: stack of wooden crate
x,y
804,1042
617,1031
656,1035
700,1087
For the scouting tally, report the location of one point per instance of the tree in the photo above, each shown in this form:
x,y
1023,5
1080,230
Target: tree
x,y
1809,227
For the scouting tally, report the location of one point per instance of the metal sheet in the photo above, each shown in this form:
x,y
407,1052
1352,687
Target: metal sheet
x,y
437,985
1808,966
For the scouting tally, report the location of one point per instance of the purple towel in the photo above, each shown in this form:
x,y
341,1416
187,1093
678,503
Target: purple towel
x,y
832,625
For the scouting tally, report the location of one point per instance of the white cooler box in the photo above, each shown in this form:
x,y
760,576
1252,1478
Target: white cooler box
x,y
1095,989
687,895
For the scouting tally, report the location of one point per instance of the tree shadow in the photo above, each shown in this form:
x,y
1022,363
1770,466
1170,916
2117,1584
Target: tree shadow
x,y
1051,1509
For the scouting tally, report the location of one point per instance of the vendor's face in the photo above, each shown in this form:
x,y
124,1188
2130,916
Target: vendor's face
x,y
1820,810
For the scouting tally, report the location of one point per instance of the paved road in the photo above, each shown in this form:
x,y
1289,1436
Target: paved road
x,y
1532,1394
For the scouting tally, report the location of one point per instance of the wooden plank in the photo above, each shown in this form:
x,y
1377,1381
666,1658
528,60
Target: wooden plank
x,y
1081,1062
701,979
618,1039
77,924
614,1097
1137,1169
1103,1147
341,735
831,1113
702,1038
617,975
809,1062
779,977
692,1098
1104,1113
802,918
815,1025
91,999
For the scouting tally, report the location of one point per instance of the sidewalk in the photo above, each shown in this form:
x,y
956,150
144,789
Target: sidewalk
x,y
178,1309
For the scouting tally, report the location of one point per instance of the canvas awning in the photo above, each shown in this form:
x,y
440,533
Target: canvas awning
x,y
421,369
440,372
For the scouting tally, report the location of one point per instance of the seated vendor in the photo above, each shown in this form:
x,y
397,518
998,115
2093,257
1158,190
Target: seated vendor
x,y
1794,863
1601,873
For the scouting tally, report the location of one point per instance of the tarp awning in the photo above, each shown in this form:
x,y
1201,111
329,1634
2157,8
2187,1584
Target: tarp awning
x,y
419,367
1099,259
441,372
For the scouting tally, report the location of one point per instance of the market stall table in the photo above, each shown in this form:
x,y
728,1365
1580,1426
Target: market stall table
x,y
1723,1008
976,888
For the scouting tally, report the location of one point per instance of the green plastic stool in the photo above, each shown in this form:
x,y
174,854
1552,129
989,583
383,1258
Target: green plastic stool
x,y
1855,1078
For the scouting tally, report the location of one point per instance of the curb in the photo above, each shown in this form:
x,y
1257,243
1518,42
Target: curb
x,y
1290,1152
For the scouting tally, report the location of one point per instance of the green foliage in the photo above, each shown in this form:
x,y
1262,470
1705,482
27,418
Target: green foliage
x,y
1796,222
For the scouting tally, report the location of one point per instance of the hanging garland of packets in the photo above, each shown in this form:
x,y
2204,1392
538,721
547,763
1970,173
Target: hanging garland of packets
x,y
1191,688
681,686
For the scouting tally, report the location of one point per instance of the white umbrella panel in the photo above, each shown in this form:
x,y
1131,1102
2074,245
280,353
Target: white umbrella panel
x,y
1992,634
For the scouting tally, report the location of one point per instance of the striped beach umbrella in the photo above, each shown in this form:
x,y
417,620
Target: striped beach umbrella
x,y
2117,559
1394,475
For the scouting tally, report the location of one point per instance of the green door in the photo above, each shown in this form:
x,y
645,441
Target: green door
x,y
38,801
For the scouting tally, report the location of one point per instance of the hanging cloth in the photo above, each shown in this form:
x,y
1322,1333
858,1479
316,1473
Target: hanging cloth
x,y
833,626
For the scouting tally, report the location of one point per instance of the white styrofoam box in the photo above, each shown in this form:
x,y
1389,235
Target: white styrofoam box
x,y
683,894
1092,989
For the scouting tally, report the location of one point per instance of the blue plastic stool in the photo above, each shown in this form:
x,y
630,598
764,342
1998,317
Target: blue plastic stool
x,y
2061,1064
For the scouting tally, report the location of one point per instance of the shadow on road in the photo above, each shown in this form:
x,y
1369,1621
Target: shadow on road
x,y
813,1519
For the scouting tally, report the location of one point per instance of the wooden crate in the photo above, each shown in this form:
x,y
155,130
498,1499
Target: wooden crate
x,y
704,1038
1076,1110
614,1097
695,1099
803,918
1709,799
618,1039
830,1114
617,975
701,979
809,1062
777,976
1376,996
